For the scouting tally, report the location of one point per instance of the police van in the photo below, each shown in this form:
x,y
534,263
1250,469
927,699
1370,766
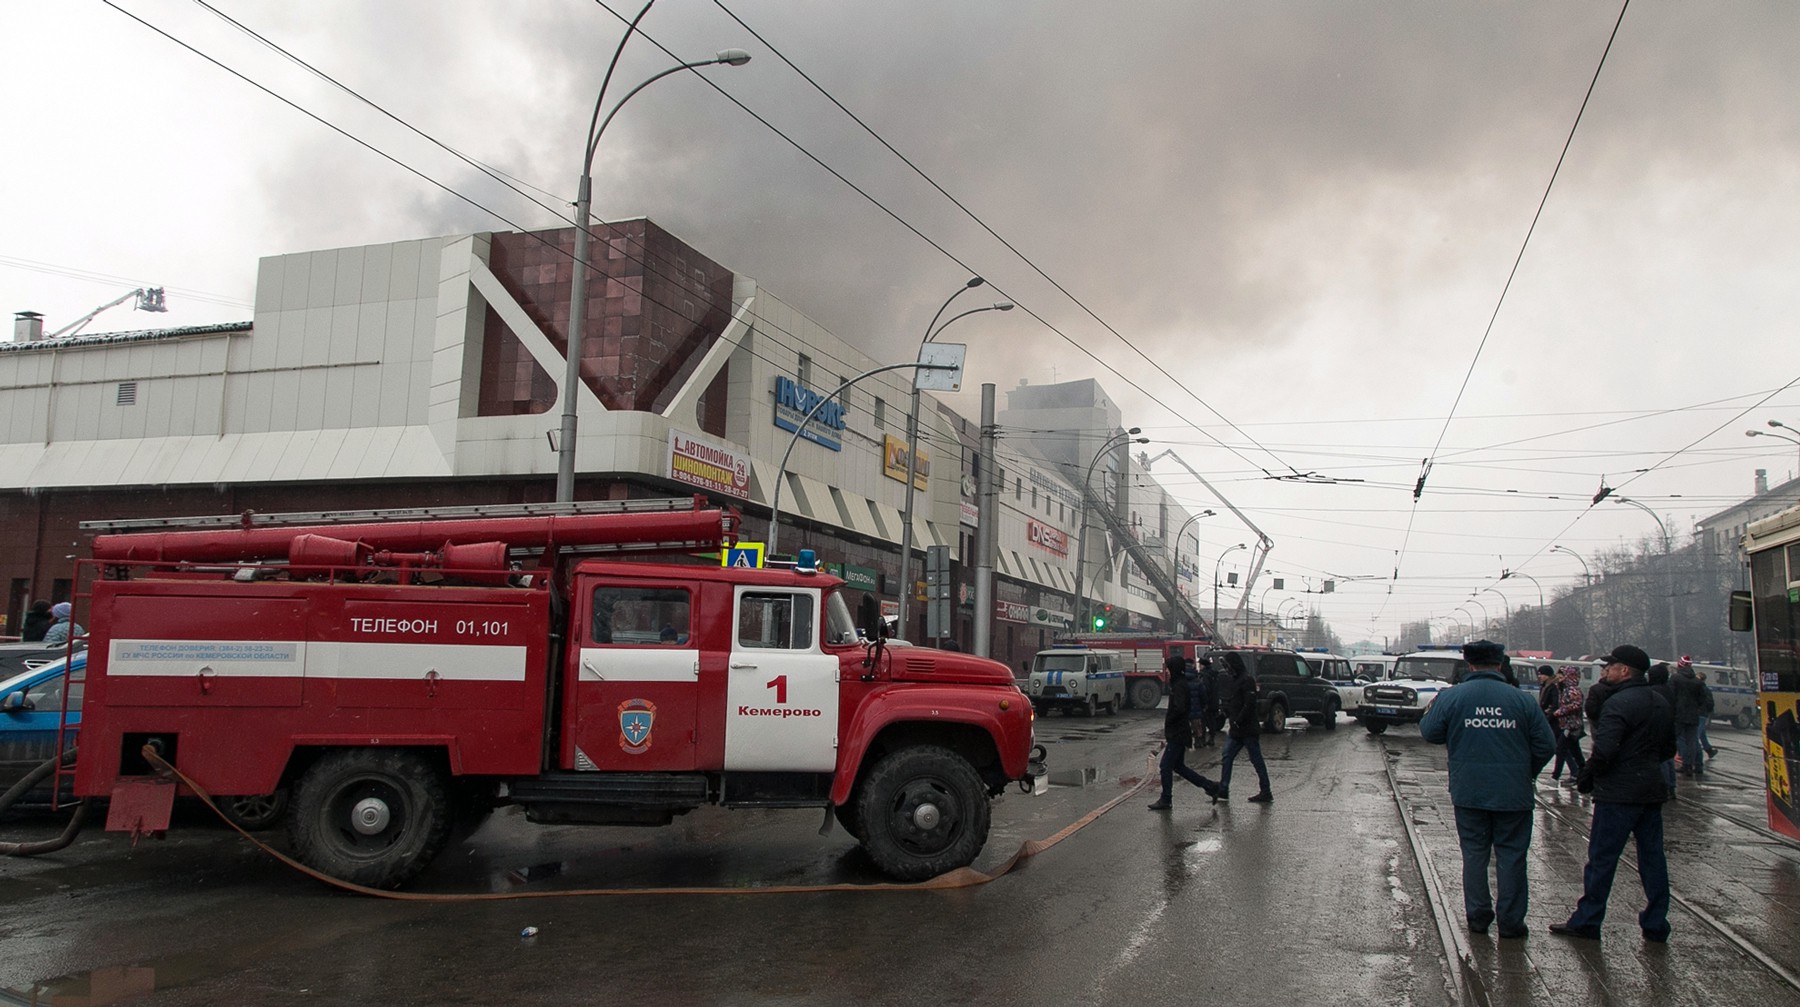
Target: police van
x,y
1077,678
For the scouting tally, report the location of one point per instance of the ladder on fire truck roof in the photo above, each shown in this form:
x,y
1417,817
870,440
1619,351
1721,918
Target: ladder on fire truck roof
x,y
252,519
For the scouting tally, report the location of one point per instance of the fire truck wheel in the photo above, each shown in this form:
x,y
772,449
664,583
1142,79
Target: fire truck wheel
x,y
370,816
925,812
255,813
1145,694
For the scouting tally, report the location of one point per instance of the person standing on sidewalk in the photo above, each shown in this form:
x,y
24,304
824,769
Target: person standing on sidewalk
x,y
1498,740
1624,773
1178,733
1243,729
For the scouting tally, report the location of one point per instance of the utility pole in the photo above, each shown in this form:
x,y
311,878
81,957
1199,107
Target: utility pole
x,y
987,519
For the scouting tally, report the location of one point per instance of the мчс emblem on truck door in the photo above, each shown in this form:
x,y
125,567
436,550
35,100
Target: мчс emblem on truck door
x,y
636,718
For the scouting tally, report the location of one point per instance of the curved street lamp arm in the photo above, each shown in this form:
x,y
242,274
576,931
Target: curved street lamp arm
x,y
593,140
781,471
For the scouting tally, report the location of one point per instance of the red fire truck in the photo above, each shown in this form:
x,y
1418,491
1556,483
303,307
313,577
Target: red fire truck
x,y
400,678
1145,680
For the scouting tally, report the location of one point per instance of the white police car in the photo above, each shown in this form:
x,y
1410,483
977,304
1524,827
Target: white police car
x,y
1076,678
1413,685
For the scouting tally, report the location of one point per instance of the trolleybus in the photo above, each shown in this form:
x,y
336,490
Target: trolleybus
x,y
1771,609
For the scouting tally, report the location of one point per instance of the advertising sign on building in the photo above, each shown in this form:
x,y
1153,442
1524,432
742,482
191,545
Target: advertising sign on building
x,y
893,464
793,401
1012,611
1052,618
1047,538
708,465
971,515
860,577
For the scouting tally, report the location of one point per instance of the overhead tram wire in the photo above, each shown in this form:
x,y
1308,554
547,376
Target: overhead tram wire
x,y
555,211
1425,466
1639,474
945,252
772,48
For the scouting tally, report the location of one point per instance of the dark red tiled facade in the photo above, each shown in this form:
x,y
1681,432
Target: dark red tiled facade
x,y
653,308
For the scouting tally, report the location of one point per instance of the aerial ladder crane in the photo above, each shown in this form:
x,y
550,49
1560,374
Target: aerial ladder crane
x,y
148,299
1263,542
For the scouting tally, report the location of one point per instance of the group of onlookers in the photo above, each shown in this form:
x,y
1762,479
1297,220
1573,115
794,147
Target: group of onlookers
x,y
1499,740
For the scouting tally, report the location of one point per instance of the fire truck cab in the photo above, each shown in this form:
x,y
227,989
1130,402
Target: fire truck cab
x,y
402,681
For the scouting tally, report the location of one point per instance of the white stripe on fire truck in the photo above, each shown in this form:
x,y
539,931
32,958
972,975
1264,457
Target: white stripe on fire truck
x,y
315,659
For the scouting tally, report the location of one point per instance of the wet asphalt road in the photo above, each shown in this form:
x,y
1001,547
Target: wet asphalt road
x,y
1314,899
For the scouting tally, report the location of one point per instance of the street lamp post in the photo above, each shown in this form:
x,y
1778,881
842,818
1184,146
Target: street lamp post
x,y
1175,549
1216,568
912,445
1471,616
1505,607
1669,563
781,470
1587,601
1081,533
565,449
1487,621
1540,590
1774,423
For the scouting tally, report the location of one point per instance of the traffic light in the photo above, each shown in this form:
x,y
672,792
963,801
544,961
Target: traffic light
x,y
1103,618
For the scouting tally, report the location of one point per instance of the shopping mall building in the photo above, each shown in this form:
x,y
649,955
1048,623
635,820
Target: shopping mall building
x,y
428,373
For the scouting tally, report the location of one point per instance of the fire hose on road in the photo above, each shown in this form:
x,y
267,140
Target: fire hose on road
x,y
23,787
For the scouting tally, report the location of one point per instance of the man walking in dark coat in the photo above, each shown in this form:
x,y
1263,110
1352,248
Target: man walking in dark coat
x,y
1178,733
1624,773
1243,729
1690,702
1498,740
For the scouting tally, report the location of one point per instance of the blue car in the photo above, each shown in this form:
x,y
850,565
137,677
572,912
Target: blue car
x,y
31,709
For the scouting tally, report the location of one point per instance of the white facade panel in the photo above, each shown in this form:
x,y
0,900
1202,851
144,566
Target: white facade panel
x,y
321,278
378,261
309,399
296,280
403,273
347,283
319,458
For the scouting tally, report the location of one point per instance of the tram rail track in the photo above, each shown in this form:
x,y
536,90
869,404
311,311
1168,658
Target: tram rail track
x,y
1463,974
1731,934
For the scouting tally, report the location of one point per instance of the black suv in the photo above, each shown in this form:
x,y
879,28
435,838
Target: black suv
x,y
1286,685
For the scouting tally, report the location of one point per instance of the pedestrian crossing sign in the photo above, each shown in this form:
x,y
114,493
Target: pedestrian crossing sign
x,y
744,555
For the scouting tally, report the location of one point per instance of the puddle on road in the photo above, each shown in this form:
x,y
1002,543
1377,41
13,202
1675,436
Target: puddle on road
x,y
117,984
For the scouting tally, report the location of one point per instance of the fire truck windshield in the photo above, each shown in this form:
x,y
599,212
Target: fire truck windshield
x,y
840,628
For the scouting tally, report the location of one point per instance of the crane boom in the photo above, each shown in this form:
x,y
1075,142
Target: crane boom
x,y
1263,542
148,299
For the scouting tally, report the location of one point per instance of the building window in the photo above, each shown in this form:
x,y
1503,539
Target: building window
x,y
127,394
1018,488
880,413
804,372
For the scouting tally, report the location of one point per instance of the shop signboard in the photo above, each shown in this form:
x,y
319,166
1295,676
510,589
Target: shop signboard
x,y
1050,617
861,578
1053,540
707,465
794,400
893,462
971,515
1012,611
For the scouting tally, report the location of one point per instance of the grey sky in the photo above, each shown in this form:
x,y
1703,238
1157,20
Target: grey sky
x,y
1305,211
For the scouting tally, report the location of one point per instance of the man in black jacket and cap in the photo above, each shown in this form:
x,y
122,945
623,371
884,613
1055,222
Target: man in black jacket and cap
x,y
1178,733
1636,733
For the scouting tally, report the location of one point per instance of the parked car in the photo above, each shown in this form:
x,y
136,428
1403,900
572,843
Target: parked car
x,y
1411,688
1339,672
31,707
1286,684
